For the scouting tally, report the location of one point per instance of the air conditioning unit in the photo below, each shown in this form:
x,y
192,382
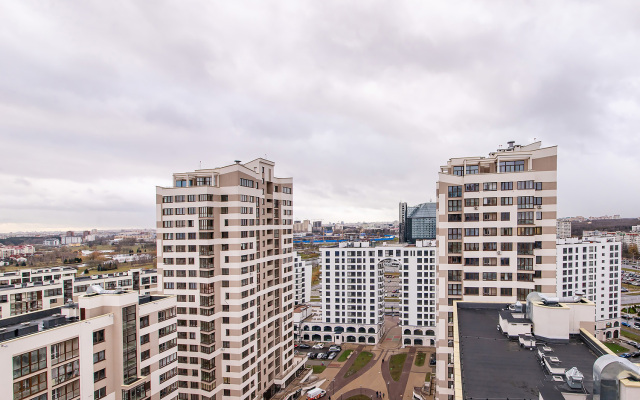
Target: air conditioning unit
x,y
475,207
498,252
539,207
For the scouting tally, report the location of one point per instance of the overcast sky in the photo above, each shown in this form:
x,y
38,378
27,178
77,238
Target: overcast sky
x,y
360,103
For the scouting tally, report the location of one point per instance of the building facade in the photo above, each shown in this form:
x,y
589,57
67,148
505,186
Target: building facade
x,y
225,249
591,267
302,279
563,229
496,235
417,222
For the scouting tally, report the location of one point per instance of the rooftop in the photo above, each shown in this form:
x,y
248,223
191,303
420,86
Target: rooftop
x,y
27,324
492,366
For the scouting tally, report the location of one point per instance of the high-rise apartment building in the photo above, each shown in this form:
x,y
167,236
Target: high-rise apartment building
x,y
496,235
225,249
590,267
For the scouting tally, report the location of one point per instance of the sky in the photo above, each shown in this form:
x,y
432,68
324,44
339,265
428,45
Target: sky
x,y
359,102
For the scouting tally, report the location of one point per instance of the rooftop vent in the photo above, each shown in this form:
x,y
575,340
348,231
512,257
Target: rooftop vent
x,y
574,378
237,161
511,143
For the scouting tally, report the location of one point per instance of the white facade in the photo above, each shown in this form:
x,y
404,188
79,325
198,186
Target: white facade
x,y
352,294
591,266
563,229
55,242
303,270
417,291
64,240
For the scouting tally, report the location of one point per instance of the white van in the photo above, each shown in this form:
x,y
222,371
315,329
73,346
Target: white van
x,y
316,393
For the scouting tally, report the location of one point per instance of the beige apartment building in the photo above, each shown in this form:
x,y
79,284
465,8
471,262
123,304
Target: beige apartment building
x,y
496,236
225,249
111,345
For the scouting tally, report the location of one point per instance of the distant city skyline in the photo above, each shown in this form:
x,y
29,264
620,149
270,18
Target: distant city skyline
x,y
359,103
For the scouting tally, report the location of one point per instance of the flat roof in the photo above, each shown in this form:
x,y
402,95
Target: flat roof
x,y
30,323
494,366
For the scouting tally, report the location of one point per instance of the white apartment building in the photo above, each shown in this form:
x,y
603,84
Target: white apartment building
x,y
591,267
70,352
29,290
225,249
417,268
303,270
8,251
563,229
496,236
352,294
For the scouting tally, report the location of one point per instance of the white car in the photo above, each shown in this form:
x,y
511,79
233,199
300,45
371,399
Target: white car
x,y
318,346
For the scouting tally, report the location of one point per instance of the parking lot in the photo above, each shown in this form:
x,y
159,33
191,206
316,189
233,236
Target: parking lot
x,y
313,360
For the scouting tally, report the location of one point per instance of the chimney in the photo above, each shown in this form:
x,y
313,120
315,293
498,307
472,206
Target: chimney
x,y
511,143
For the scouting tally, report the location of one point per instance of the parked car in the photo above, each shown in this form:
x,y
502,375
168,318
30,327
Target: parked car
x,y
322,356
332,355
634,344
624,323
318,346
304,346
335,348
635,354
312,356
625,355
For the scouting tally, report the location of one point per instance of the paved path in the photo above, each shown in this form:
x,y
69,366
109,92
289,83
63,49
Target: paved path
x,y
396,389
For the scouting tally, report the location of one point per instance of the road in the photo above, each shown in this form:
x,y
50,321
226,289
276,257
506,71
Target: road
x,y
635,299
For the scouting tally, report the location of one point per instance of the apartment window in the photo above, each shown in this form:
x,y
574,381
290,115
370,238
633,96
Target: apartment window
x,y
472,187
99,356
506,276
454,218
454,247
471,247
455,191
455,205
489,291
530,231
525,202
63,351
472,217
504,261
506,185
489,246
490,186
505,216
506,201
489,276
511,166
489,231
100,393
246,182
458,170
471,276
525,185
455,233
98,336
144,321
472,202
472,169
471,231
191,197
27,363
455,260
525,217
506,246
506,231
454,275
472,261
471,291
490,216
28,387
454,289
99,375
167,199
181,183
490,201
69,391
489,261
203,181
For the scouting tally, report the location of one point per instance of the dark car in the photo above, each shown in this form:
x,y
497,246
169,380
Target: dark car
x,y
625,355
432,360
635,354
304,346
312,356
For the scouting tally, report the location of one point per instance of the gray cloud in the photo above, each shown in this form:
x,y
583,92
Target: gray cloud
x,y
360,103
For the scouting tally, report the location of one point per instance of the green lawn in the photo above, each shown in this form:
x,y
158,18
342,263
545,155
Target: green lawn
x,y
420,357
362,360
345,354
318,368
616,348
395,365
630,335
428,377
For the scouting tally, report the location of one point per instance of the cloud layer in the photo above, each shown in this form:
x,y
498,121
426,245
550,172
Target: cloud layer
x,y
359,103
